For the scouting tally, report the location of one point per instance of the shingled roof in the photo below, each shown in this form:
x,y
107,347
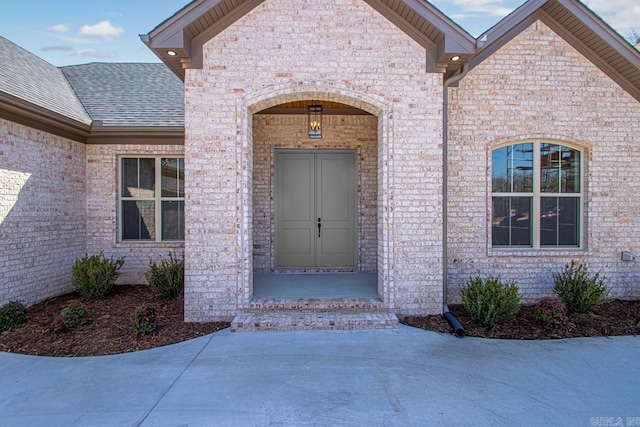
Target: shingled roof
x,y
27,77
125,94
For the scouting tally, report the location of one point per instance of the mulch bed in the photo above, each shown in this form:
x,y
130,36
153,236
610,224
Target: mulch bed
x,y
109,328
611,318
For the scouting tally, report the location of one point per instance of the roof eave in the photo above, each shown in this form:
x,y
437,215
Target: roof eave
x,y
26,113
170,42
148,135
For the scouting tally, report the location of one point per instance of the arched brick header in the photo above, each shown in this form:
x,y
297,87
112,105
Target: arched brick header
x,y
304,91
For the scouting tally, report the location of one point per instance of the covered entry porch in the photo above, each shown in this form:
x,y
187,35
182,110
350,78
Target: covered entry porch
x,y
316,212
315,202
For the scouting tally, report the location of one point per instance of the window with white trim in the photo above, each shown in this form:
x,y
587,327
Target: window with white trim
x,y
536,196
147,214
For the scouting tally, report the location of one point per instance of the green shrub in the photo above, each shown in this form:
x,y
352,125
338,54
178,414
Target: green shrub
x,y
12,314
70,318
552,312
95,275
580,290
144,319
489,301
167,278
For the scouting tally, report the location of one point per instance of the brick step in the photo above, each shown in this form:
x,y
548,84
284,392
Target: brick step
x,y
316,304
313,321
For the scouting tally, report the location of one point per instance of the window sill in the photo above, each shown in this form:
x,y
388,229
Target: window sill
x,y
544,252
149,244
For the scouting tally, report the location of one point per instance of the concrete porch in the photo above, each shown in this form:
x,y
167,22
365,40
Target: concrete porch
x,y
315,301
315,285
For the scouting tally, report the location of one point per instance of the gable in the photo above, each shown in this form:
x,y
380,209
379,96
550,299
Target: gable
x,y
541,75
579,27
282,40
178,41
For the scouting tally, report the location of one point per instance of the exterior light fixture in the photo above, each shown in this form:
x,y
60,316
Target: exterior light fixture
x,y
455,58
315,121
171,53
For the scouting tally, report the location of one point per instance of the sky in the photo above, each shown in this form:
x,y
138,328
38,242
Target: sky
x,y
67,32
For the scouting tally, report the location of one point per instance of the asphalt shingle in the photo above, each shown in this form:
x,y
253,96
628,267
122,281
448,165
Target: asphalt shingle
x,y
129,94
30,78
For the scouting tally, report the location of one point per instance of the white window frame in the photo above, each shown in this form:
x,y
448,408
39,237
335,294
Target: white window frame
x,y
536,195
158,199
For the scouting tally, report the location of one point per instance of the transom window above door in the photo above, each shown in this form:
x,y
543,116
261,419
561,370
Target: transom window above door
x,y
151,199
536,196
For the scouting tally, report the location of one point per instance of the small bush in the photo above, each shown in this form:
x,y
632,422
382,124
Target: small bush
x,y
167,278
70,318
552,312
489,301
580,290
12,314
95,275
144,319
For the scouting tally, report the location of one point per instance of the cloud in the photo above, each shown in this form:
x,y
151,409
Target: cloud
x,y
622,15
490,7
104,30
59,28
461,16
57,48
93,53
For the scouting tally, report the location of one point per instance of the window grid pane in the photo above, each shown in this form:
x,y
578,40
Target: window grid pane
x,y
570,171
172,177
559,221
513,169
138,220
511,221
172,220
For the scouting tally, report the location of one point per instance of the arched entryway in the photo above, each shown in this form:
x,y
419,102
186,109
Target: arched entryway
x,y
274,123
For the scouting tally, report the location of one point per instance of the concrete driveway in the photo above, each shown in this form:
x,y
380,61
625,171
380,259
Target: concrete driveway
x,y
400,377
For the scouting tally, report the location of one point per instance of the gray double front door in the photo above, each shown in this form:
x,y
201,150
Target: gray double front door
x,y
315,208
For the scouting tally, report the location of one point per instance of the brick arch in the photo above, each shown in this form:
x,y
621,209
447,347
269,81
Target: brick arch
x,y
554,139
335,92
341,93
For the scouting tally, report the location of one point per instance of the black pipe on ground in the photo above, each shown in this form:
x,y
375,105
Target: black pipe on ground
x,y
458,329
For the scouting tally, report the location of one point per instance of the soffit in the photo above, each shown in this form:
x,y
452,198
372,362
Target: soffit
x,y
185,32
605,44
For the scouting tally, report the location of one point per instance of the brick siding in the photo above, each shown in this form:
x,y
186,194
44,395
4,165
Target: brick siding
x,y
537,86
42,212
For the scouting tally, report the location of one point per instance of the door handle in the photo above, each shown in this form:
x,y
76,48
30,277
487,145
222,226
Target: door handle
x,y
319,226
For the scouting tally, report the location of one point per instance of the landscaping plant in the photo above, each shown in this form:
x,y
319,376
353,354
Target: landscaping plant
x,y
166,278
70,318
580,290
95,275
12,314
489,301
552,312
144,319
